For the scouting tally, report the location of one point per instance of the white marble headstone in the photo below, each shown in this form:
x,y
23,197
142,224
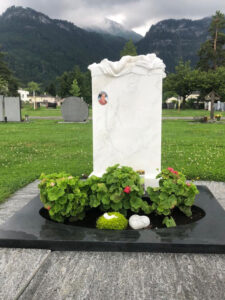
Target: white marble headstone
x,y
127,112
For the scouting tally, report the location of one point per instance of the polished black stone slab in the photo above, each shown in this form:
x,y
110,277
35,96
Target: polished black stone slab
x,y
28,229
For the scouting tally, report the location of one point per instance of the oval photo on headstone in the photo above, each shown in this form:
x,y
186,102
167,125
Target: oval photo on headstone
x,y
103,98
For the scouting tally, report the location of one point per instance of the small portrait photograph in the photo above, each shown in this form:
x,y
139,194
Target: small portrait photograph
x,y
103,98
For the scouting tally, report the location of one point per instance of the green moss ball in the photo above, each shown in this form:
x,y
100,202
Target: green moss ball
x,y
119,222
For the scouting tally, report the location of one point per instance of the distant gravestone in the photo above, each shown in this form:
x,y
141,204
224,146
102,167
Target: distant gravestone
x,y
12,109
222,106
1,109
74,109
218,105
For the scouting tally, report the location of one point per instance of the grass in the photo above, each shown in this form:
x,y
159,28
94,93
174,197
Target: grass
x,y
43,111
28,149
50,112
40,112
197,149
188,113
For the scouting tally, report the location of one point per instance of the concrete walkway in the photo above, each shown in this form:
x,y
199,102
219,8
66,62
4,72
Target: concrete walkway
x,y
42,274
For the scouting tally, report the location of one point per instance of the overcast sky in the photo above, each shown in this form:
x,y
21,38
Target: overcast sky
x,y
138,15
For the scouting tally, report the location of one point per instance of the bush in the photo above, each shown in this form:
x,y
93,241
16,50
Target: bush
x,y
173,191
64,196
118,222
119,189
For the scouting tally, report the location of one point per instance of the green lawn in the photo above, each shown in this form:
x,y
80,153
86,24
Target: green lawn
x,y
43,111
50,112
27,149
188,113
40,112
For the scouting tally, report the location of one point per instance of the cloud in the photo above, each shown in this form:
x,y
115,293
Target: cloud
x,y
138,14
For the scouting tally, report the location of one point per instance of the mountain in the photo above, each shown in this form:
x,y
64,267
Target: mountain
x,y
172,40
116,29
40,48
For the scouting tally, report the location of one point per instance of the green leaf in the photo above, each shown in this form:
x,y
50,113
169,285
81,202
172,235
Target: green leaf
x,y
146,207
105,199
62,184
116,206
116,197
94,201
63,200
186,210
55,193
101,187
70,197
126,203
169,222
136,203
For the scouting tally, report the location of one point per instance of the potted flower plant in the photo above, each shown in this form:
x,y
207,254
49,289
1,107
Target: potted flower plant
x,y
218,117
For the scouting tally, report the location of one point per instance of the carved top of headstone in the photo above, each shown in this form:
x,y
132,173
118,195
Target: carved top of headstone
x,y
141,64
74,109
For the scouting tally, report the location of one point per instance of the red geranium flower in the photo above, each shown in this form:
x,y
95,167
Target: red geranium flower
x,y
188,184
48,207
127,190
175,172
170,169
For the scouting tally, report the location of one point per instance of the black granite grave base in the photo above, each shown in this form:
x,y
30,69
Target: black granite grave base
x,y
28,229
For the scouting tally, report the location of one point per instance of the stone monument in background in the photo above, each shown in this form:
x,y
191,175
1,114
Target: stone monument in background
x,y
127,113
10,109
74,109
1,109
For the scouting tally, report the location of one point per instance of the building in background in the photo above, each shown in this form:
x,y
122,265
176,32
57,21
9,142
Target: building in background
x,y
23,95
44,99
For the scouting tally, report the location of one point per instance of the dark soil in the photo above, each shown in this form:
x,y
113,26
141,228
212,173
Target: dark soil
x,y
156,221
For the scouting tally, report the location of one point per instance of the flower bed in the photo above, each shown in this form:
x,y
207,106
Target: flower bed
x,y
68,199
156,221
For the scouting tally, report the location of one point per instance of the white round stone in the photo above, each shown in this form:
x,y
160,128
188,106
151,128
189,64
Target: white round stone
x,y
139,222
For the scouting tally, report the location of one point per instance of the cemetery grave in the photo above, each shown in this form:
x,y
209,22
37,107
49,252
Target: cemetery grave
x,y
126,131
74,109
10,109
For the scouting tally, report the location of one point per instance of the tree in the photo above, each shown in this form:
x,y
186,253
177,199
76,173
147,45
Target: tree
x,y
33,87
86,88
64,83
51,89
3,87
183,82
169,94
7,77
212,54
212,82
75,90
212,51
129,49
